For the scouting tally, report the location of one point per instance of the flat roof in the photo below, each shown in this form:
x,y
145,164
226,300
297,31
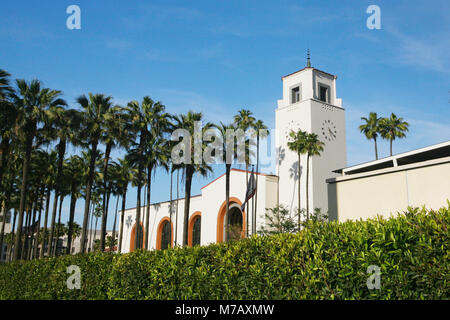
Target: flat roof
x,y
436,151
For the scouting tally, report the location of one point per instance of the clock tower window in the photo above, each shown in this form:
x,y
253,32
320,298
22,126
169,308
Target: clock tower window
x,y
295,94
324,93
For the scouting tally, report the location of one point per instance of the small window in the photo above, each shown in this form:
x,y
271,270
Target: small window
x,y
323,93
295,94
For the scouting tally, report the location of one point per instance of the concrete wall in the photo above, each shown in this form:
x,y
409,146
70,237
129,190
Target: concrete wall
x,y
390,190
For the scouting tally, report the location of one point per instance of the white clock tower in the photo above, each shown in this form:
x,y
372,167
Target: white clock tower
x,y
309,103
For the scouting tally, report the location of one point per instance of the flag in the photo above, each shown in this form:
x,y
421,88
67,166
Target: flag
x,y
251,189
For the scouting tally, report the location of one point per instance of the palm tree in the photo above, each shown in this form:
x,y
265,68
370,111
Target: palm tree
x,y
65,125
371,129
229,153
244,120
297,144
261,132
187,122
31,101
95,114
156,153
313,147
139,122
113,136
8,114
392,128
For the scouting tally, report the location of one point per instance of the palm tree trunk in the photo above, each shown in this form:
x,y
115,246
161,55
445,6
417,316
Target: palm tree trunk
x,y
52,225
91,229
147,215
139,187
227,198
25,235
88,197
114,226
95,234
391,145
3,222
61,199
307,187
176,211
47,205
122,218
256,184
171,201
5,213
12,236
105,211
36,244
187,200
298,191
246,183
376,148
23,195
73,201
61,152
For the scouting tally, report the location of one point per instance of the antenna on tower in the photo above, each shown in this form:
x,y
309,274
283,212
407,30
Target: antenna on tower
x,y
308,60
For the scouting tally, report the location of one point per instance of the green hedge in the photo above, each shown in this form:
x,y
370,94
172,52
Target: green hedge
x,y
323,261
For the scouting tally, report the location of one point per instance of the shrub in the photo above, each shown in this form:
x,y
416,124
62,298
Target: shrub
x,y
325,260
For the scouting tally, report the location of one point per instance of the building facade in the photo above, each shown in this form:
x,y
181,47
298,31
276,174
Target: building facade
x,y
309,103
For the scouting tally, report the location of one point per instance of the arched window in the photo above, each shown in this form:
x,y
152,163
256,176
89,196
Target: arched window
x,y
234,231
165,235
196,231
133,245
233,226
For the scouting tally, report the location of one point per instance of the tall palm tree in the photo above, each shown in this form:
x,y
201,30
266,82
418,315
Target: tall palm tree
x,y
64,128
139,115
157,151
115,135
245,120
187,122
392,128
371,129
229,154
31,101
95,114
8,114
313,147
261,133
297,144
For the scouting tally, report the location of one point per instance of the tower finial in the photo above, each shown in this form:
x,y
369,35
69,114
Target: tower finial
x,y
308,60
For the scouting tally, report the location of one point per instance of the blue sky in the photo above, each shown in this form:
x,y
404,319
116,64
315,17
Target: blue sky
x,y
221,56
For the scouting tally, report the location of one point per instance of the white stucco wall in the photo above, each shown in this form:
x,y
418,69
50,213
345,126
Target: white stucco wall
x,y
392,190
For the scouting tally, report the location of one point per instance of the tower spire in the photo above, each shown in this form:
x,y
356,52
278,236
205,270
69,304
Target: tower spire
x,y
308,60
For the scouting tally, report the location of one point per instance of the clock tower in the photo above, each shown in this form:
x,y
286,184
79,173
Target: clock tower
x,y
309,103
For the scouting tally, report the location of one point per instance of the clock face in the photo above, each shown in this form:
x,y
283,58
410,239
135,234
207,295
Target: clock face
x,y
292,125
329,131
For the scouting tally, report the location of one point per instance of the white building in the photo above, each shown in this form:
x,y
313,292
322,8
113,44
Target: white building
x,y
309,103
416,178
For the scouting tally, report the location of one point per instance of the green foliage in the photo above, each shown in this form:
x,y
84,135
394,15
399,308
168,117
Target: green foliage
x,y
325,260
